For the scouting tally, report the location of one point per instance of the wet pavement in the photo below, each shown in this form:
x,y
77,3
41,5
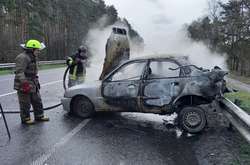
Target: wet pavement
x,y
106,139
109,140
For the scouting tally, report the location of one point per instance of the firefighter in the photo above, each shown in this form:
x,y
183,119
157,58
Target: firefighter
x,y
27,84
77,64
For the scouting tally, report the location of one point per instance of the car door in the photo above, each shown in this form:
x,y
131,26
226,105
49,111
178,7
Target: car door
x,y
161,85
122,87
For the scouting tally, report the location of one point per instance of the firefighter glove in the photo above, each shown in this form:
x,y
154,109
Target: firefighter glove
x,y
26,87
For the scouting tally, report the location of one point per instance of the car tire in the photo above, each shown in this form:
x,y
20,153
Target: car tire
x,y
192,119
82,107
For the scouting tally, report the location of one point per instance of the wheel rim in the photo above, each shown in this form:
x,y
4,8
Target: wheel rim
x,y
83,108
192,119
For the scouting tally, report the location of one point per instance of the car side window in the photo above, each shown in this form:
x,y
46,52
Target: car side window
x,y
160,69
132,71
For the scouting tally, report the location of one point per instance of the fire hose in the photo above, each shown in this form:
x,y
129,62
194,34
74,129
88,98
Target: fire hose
x,y
45,109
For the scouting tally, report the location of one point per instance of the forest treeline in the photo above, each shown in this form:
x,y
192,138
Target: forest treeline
x,y
61,24
226,30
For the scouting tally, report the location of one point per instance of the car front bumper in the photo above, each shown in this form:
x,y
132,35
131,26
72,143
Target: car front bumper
x,y
66,103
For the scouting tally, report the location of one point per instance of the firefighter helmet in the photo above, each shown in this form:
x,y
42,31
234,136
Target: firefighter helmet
x,y
33,44
82,49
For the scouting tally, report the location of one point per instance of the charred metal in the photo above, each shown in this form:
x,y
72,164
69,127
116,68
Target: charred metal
x,y
161,85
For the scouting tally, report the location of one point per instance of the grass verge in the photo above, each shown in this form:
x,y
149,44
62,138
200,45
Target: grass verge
x,y
41,67
244,153
243,97
6,71
243,156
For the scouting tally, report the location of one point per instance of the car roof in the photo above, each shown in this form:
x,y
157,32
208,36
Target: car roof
x,y
181,59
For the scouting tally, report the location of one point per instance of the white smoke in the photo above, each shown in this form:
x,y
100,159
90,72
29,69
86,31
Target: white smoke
x,y
96,41
178,43
160,23
175,42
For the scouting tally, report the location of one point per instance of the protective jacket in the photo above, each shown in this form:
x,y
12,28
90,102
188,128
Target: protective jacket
x,y
77,67
26,71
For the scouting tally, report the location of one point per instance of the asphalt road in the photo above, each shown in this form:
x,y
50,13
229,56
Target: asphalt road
x,y
106,139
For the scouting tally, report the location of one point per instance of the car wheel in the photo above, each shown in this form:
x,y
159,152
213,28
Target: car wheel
x,y
192,119
82,107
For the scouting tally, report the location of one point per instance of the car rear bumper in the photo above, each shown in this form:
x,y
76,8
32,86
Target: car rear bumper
x,y
66,103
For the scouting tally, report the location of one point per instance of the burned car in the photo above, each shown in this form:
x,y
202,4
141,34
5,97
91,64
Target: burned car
x,y
161,85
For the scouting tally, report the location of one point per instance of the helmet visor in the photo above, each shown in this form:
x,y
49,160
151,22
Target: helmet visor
x,y
23,46
43,46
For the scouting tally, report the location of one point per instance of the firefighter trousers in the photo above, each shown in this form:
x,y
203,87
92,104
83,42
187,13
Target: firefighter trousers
x,y
25,102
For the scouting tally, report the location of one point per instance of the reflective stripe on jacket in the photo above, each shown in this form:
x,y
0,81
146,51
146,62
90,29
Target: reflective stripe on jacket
x,y
77,68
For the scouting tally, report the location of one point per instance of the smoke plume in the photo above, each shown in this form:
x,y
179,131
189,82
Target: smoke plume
x,y
161,23
96,41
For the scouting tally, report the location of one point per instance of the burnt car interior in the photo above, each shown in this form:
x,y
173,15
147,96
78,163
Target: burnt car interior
x,y
161,69
152,82
149,85
161,83
122,86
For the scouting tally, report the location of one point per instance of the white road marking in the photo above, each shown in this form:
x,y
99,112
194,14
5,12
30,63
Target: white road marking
x,y
46,84
7,94
52,82
6,79
44,157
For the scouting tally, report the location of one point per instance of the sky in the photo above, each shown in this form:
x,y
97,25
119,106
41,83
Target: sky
x,y
161,24
159,12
